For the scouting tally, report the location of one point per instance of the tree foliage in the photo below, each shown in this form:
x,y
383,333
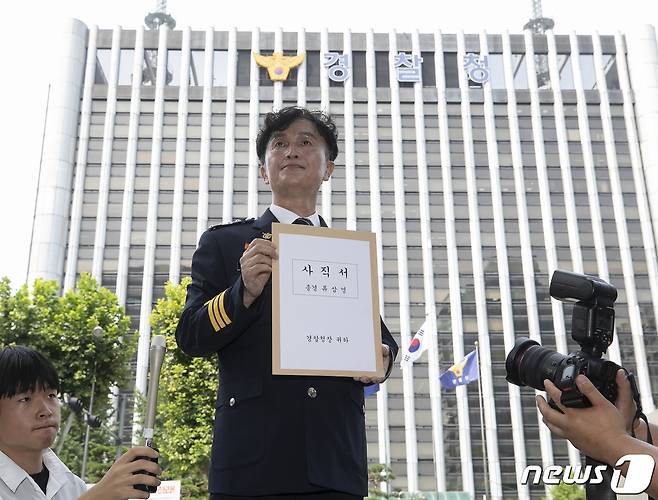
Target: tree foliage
x,y
186,401
564,491
61,328
377,474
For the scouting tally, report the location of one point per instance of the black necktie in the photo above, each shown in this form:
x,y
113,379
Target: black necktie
x,y
302,221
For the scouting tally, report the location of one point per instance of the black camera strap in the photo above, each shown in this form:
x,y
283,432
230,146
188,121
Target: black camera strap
x,y
639,415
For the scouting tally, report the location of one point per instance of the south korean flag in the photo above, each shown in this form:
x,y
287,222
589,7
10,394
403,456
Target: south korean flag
x,y
417,345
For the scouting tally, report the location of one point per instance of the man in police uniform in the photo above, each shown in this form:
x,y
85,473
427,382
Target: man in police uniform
x,y
274,436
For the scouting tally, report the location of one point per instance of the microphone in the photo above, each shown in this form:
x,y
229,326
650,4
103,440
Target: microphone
x,y
156,358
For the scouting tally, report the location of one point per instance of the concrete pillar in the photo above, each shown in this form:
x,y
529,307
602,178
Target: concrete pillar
x,y
56,174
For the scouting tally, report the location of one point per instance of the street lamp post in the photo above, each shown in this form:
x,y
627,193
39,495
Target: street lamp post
x,y
75,407
91,405
122,410
97,332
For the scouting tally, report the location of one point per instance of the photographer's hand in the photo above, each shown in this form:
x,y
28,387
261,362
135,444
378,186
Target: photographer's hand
x,y
584,427
625,403
598,431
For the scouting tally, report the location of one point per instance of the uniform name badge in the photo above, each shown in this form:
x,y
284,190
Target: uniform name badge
x,y
325,303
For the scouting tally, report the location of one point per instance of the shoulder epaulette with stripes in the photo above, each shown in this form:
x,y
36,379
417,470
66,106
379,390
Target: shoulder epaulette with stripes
x,y
239,221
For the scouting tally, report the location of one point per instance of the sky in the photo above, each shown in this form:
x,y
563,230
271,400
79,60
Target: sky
x,y
28,41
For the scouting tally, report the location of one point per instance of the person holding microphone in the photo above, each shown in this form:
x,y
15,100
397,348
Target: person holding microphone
x,y
29,421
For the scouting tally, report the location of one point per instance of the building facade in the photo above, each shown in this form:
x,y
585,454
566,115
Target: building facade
x,y
482,162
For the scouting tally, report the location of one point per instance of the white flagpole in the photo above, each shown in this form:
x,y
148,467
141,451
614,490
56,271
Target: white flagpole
x,y
484,442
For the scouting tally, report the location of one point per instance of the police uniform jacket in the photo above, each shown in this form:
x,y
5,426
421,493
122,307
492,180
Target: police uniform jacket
x,y
272,434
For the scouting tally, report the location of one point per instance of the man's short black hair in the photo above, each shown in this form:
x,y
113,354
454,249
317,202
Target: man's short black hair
x,y
277,121
23,369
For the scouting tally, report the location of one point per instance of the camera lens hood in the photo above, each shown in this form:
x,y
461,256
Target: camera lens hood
x,y
513,361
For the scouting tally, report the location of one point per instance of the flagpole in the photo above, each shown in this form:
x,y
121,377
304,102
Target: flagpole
x,y
484,442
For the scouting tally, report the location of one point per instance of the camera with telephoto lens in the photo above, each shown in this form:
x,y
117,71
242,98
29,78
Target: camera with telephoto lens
x,y
592,325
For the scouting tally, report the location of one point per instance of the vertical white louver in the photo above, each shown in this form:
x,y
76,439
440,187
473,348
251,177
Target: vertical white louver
x,y
563,151
590,176
403,278
131,163
545,202
179,169
277,100
348,120
106,157
640,357
229,127
254,100
206,124
478,279
428,278
453,266
527,258
301,69
383,431
504,284
325,106
638,173
81,164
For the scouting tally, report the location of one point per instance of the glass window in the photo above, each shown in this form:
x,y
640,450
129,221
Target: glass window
x,y
359,68
149,67
610,70
519,71
427,67
126,66
244,67
196,72
450,68
219,66
102,66
196,68
173,67
541,68
496,71
312,68
587,71
381,68
565,71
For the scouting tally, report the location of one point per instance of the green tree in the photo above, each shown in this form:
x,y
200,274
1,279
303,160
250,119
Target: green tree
x,y
61,327
186,401
378,473
564,491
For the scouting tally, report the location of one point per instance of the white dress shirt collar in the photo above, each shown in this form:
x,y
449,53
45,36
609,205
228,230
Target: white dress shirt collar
x,y
285,216
16,483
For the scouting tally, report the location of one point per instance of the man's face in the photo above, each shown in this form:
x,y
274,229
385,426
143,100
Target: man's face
x,y
29,421
296,160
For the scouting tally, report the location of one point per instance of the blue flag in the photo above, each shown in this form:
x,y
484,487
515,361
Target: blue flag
x,y
370,389
461,373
